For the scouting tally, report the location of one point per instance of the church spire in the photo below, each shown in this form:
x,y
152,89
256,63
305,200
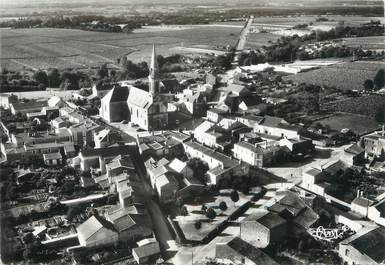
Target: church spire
x,y
154,73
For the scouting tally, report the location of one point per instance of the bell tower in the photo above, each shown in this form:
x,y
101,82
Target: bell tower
x,y
153,76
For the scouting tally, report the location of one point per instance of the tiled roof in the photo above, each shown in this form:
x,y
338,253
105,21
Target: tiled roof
x,y
107,151
372,244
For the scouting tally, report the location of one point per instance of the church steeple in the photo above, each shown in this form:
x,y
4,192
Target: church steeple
x,y
153,76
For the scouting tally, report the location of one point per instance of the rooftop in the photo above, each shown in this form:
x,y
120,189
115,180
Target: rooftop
x,y
372,244
107,151
227,161
266,218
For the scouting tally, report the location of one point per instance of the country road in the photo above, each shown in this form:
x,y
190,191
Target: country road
x,y
242,41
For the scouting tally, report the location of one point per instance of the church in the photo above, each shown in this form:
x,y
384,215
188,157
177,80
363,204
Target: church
x,y
147,109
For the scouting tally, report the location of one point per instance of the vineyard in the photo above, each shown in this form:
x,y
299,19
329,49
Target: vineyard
x,y
365,105
343,76
41,48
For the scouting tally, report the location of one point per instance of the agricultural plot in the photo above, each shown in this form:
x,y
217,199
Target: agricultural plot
x,y
359,124
372,43
367,105
257,40
43,48
343,76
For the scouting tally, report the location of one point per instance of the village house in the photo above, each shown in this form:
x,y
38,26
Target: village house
x,y
26,107
258,155
215,114
191,102
6,100
181,168
53,159
95,157
277,127
293,208
374,143
298,146
354,155
190,188
263,228
159,145
118,165
364,247
166,186
147,252
128,226
56,102
58,123
99,90
236,250
376,212
219,164
249,120
96,232
361,205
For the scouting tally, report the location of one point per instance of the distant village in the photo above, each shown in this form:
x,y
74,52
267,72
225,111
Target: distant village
x,y
186,170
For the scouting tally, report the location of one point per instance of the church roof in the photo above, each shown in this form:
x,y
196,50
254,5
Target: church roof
x,y
117,94
139,98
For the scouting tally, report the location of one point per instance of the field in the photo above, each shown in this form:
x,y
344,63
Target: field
x,y
42,48
359,124
344,76
365,105
282,26
373,43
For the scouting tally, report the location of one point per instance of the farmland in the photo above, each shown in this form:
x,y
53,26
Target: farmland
x,y
344,76
42,48
373,43
359,124
365,105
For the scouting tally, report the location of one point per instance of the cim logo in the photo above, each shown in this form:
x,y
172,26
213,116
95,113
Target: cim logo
x,y
328,234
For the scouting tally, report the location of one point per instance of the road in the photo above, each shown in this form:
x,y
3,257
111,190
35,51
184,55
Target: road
x,y
242,41
160,223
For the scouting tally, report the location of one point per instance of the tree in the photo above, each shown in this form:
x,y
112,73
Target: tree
x,y
54,79
72,212
379,79
210,213
28,238
380,114
368,85
234,196
223,206
41,77
102,72
198,224
199,168
183,211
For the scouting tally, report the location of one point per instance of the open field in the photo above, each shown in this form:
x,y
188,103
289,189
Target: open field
x,y
372,43
282,26
365,105
66,48
344,76
359,124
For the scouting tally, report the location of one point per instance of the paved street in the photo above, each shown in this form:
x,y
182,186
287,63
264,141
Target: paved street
x,y
160,223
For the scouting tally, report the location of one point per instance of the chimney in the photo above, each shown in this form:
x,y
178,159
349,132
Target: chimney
x,y
358,193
